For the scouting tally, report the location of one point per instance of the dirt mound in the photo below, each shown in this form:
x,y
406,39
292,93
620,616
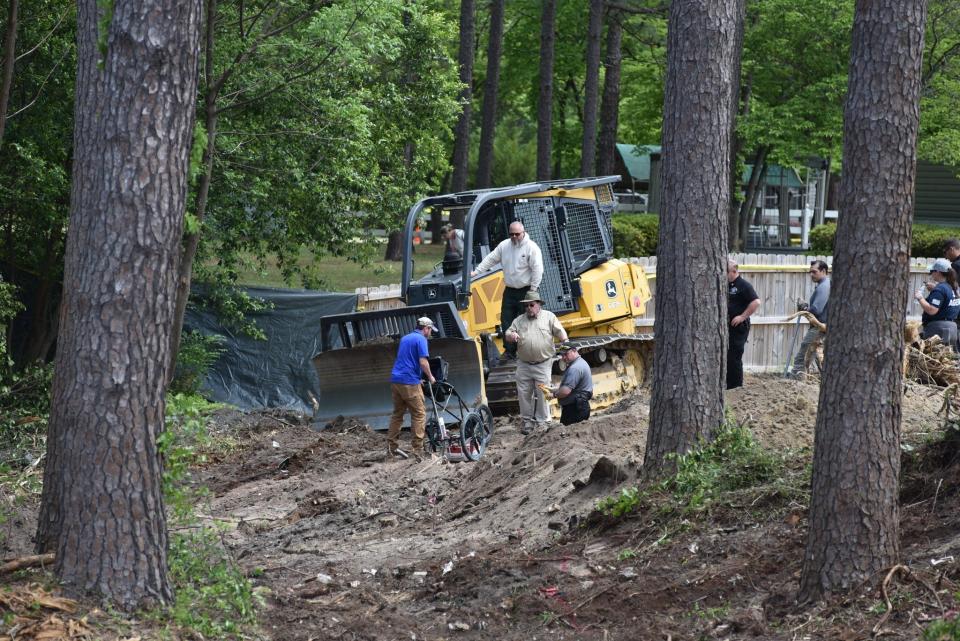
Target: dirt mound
x,y
356,545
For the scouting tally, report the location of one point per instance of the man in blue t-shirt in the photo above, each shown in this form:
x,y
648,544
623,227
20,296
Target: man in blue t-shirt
x,y
410,365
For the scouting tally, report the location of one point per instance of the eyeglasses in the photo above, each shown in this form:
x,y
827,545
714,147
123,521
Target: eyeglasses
x,y
517,234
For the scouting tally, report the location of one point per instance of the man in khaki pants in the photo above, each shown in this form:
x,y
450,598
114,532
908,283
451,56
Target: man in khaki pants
x,y
533,332
411,362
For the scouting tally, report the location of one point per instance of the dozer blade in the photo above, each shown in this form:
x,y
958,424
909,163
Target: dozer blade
x,y
355,382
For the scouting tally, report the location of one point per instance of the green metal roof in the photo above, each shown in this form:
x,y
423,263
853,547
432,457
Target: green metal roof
x,y
637,159
790,176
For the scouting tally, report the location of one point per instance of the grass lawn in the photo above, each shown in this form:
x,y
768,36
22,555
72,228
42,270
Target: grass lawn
x,y
342,275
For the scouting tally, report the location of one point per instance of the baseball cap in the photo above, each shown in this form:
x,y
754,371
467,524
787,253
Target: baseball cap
x,y
940,265
423,321
563,348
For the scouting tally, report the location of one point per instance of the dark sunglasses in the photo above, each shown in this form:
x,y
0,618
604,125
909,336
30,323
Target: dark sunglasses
x,y
530,304
519,233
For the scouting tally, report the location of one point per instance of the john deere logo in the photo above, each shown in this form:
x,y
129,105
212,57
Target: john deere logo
x,y
611,288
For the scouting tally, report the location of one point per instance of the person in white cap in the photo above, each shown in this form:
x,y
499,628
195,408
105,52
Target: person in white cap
x,y
410,365
940,303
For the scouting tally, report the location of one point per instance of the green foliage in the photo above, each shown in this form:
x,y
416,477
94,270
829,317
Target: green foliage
x,y
622,504
939,139
212,595
197,151
311,159
927,241
943,629
213,598
183,443
635,234
733,461
197,354
235,308
795,60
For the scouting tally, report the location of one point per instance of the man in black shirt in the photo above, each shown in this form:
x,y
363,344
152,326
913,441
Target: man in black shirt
x,y
742,302
951,251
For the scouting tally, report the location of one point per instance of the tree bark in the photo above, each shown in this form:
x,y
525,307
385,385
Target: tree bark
x,y
394,249
610,102
102,508
9,57
691,303
490,89
461,133
591,89
854,514
548,17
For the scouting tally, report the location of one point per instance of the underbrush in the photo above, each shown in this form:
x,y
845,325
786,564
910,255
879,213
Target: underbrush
x,y
732,471
212,596
24,408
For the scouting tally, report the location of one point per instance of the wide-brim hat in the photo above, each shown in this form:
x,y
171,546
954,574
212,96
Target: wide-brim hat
x,y
532,296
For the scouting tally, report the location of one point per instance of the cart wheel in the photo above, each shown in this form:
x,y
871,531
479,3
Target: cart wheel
x,y
473,435
433,434
487,416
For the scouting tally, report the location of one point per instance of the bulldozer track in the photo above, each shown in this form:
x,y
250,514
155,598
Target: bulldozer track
x,y
501,382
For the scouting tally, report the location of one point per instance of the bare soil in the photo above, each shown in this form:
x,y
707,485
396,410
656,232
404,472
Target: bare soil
x,y
355,546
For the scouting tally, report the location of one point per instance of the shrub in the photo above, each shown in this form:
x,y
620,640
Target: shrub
x,y
197,354
212,596
733,461
927,239
635,234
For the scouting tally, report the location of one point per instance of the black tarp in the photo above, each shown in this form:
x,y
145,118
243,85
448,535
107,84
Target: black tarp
x,y
277,372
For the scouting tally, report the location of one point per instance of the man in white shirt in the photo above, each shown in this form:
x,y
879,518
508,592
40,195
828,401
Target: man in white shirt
x,y
522,264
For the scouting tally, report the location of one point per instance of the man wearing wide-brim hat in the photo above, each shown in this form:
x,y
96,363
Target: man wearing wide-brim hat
x,y
533,333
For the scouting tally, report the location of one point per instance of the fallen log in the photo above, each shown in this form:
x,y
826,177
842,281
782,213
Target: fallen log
x,y
27,562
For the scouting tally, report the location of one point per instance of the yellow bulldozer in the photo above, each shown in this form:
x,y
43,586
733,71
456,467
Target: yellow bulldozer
x,y
595,296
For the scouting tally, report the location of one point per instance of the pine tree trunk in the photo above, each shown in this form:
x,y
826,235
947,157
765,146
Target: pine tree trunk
x,y
9,57
854,514
102,507
461,133
610,102
490,89
691,304
591,89
548,17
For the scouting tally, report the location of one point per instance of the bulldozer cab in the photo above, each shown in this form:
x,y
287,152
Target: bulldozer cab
x,y
569,220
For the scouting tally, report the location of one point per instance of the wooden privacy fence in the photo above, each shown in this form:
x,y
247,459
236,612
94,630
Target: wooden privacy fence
x,y
781,280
